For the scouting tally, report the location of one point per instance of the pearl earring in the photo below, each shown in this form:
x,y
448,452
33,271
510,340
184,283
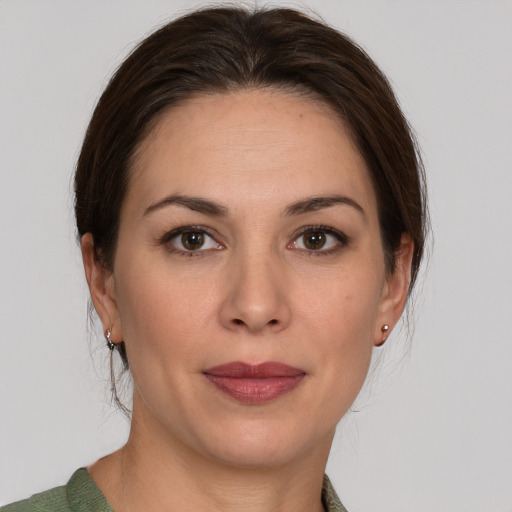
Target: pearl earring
x,y
385,330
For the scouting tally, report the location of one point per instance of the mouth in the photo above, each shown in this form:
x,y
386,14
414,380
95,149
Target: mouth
x,y
255,384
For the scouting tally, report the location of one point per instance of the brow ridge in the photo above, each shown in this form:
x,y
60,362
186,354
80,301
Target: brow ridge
x,y
197,204
205,206
312,204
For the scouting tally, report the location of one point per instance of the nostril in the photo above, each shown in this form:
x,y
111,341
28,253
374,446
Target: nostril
x,y
237,321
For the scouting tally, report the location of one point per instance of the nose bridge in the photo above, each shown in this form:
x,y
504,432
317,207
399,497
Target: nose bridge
x,y
256,298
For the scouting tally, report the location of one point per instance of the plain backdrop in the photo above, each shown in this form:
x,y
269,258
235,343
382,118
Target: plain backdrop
x,y
433,432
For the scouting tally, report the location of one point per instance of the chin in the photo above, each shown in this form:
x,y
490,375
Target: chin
x,y
265,446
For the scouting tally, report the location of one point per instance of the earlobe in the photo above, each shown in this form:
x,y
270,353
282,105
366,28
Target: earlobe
x,y
101,287
395,291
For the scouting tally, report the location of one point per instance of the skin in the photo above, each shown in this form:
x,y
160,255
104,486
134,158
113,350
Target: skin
x,y
254,292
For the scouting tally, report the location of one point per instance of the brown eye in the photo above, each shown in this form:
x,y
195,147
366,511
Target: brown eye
x,y
192,240
319,240
314,240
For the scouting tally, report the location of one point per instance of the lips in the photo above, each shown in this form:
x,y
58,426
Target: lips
x,y
254,384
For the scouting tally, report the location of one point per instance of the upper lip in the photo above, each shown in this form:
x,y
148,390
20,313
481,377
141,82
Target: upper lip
x,y
266,370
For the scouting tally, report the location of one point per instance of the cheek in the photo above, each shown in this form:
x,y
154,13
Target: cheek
x,y
163,314
340,316
343,305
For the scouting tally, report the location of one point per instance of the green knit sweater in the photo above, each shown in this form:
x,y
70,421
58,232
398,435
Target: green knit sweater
x,y
81,494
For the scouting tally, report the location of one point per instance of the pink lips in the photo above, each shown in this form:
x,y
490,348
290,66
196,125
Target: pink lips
x,y
254,384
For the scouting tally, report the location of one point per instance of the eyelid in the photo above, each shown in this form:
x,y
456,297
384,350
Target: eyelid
x,y
342,238
173,233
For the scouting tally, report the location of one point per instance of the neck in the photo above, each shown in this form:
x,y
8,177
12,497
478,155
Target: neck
x,y
155,473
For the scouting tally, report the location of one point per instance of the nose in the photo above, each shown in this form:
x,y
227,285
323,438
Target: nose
x,y
257,300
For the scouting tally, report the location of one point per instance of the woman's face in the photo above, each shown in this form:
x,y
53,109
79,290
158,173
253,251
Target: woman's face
x,y
249,236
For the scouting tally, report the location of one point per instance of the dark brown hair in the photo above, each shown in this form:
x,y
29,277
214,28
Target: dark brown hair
x,y
219,49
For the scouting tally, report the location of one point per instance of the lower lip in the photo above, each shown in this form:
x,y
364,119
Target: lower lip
x,y
255,391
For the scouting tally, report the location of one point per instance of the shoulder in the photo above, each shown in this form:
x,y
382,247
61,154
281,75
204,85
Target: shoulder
x,y
54,500
330,499
80,494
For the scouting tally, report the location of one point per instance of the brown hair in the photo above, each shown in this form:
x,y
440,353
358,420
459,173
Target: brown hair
x,y
222,48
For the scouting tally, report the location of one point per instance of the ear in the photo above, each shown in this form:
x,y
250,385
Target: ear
x,y
102,289
394,293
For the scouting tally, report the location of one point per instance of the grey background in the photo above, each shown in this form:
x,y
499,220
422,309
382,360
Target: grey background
x,y
432,431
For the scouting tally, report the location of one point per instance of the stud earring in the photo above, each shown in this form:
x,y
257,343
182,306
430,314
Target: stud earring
x,y
385,330
110,344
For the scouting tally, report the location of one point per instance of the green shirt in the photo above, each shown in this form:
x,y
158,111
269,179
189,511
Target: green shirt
x,y
81,494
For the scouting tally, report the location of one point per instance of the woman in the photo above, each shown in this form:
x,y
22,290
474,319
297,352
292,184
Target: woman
x,y
251,213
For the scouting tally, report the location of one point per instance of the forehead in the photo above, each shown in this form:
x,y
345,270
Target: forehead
x,y
259,144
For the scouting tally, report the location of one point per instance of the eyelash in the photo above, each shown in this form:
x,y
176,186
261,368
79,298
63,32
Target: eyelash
x,y
166,239
342,239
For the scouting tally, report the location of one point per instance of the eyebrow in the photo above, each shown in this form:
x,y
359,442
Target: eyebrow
x,y
312,204
207,207
196,204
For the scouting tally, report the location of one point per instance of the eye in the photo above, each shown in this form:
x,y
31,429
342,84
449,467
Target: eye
x,y
319,239
189,240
